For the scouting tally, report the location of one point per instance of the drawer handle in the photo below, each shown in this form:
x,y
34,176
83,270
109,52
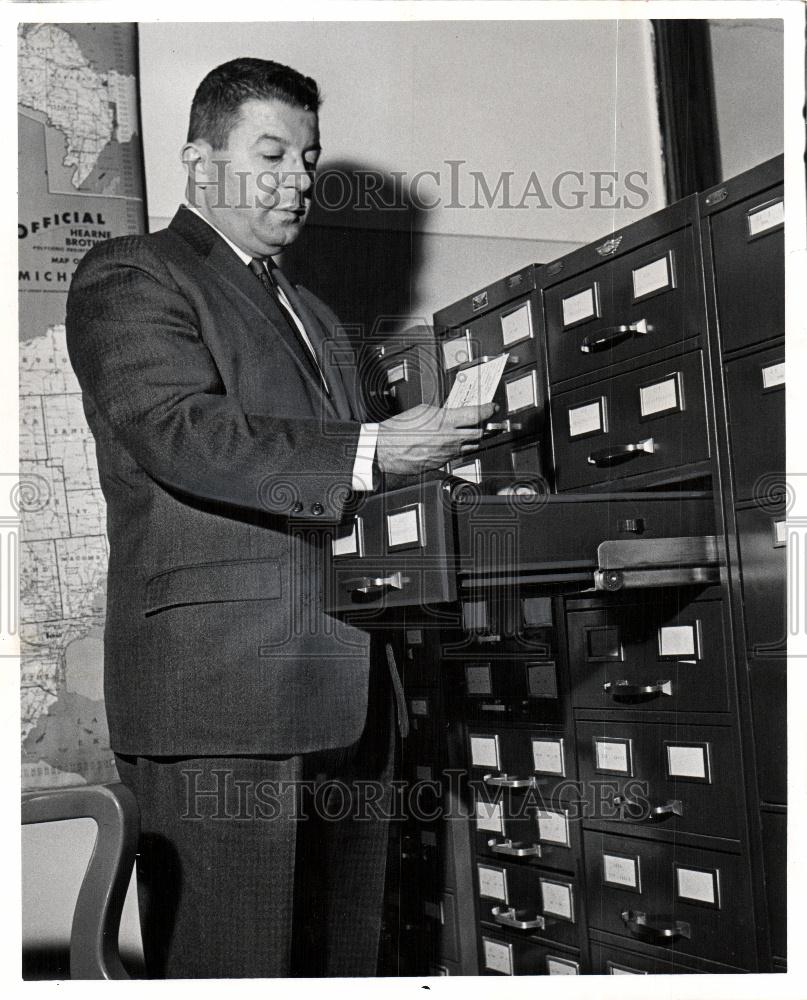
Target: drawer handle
x,y
656,813
621,453
613,335
624,689
508,781
639,924
503,426
375,586
514,849
509,916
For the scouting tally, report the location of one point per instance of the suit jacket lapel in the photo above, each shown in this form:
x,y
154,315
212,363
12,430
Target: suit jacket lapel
x,y
225,266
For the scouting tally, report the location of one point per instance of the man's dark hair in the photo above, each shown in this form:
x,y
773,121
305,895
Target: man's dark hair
x,y
217,102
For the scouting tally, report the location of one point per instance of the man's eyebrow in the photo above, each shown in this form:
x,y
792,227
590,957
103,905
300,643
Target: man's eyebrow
x,y
278,138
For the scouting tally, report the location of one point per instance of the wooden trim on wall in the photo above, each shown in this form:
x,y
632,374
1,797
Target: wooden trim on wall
x,y
686,105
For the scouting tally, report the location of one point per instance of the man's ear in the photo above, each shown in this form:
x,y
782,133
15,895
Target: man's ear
x,y
197,158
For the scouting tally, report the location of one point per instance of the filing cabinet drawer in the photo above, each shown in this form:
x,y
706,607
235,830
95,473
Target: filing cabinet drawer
x,y
506,687
756,397
656,656
774,843
635,423
503,467
749,262
560,533
528,901
692,902
509,826
397,551
511,328
763,557
609,961
521,399
399,380
769,707
644,300
421,657
535,759
664,778
503,955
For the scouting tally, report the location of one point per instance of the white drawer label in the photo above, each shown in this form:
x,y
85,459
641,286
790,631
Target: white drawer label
x,y
349,544
471,472
419,706
659,397
612,756
651,277
697,885
687,762
547,756
477,680
678,640
521,393
762,219
457,352
773,375
492,882
489,816
428,838
542,680
517,325
557,899
398,373
423,773
617,970
553,827
485,751
560,967
414,636
578,307
433,910
780,532
498,956
621,871
404,528
586,419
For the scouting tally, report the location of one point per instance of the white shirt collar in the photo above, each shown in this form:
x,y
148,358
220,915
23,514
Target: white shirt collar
x,y
245,257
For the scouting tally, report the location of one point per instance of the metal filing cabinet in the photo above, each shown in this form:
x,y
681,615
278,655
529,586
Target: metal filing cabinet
x,y
743,240
589,635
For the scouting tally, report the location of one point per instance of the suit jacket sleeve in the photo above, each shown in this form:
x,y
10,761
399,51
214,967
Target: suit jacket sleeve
x,y
135,344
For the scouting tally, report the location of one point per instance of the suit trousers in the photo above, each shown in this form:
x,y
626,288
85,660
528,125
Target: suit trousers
x,y
258,867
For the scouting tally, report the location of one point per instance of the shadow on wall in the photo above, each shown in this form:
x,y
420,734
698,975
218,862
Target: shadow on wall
x,y
361,249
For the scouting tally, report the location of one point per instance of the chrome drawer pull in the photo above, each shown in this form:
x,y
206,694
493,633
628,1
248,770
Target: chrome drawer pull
x,y
613,335
508,781
624,689
375,586
639,924
508,916
514,849
621,453
656,813
505,426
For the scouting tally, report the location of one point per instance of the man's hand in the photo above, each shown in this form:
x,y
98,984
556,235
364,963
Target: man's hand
x,y
427,437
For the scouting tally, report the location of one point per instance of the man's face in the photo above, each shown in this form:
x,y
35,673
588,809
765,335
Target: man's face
x,y
262,181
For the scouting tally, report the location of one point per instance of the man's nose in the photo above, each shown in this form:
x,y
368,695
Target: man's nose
x,y
301,179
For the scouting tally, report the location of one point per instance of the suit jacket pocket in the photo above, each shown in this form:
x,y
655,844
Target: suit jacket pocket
x,y
207,583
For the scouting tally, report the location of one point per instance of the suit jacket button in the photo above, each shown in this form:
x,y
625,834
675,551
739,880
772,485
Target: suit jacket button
x,y
317,508
296,508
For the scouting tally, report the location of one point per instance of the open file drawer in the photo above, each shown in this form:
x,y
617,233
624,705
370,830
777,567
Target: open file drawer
x,y
426,545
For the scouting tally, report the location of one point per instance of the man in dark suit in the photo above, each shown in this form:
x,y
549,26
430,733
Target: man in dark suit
x,y
228,436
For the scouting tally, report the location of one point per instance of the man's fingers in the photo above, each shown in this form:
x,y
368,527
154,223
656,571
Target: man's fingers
x,y
469,416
